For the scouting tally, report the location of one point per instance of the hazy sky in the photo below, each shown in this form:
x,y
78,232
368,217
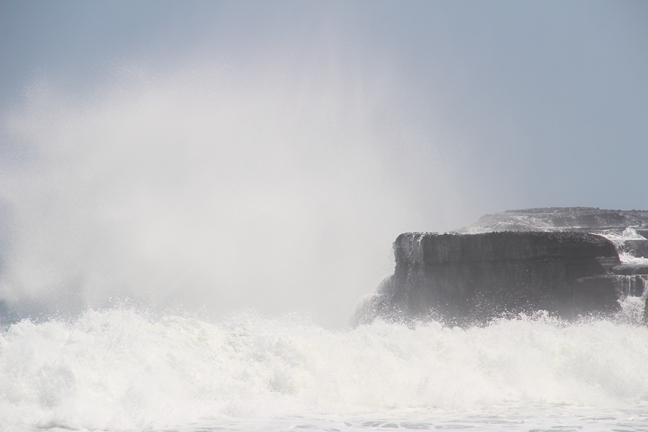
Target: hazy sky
x,y
266,154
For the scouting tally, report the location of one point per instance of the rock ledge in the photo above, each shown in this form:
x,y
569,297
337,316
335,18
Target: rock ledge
x,y
556,264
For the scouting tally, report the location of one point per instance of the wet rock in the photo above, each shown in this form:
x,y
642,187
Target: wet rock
x,y
643,233
514,262
601,294
630,270
587,219
465,278
637,248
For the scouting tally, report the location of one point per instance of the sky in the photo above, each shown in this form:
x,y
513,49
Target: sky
x,y
217,155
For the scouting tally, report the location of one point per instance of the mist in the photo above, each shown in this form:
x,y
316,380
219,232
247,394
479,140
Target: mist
x,y
203,188
232,156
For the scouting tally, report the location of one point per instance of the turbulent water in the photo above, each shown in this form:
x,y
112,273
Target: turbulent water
x,y
127,369
130,368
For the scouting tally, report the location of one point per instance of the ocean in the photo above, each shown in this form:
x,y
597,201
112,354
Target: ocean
x,y
126,368
195,197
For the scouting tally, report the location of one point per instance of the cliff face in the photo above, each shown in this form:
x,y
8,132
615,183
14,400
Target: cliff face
x,y
467,278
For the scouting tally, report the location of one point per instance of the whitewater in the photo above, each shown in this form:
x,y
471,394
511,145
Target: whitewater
x,y
166,193
128,368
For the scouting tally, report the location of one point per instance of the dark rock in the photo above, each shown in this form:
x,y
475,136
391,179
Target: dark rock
x,y
596,294
602,293
630,270
643,233
638,248
463,278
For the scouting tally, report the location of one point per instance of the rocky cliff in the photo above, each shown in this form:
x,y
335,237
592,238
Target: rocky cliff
x,y
556,264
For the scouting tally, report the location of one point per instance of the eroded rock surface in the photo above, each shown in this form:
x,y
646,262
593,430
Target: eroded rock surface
x,y
555,264
587,219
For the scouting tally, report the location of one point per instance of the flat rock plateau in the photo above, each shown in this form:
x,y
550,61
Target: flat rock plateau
x,y
571,262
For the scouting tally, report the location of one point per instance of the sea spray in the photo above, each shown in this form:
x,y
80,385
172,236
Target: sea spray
x,y
126,369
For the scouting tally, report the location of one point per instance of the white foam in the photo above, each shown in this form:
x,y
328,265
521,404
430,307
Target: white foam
x,y
618,238
122,369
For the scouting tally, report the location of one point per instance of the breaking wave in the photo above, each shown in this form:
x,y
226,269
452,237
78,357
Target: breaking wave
x,y
124,368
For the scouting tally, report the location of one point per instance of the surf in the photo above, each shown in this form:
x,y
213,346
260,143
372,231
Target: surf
x,y
128,369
